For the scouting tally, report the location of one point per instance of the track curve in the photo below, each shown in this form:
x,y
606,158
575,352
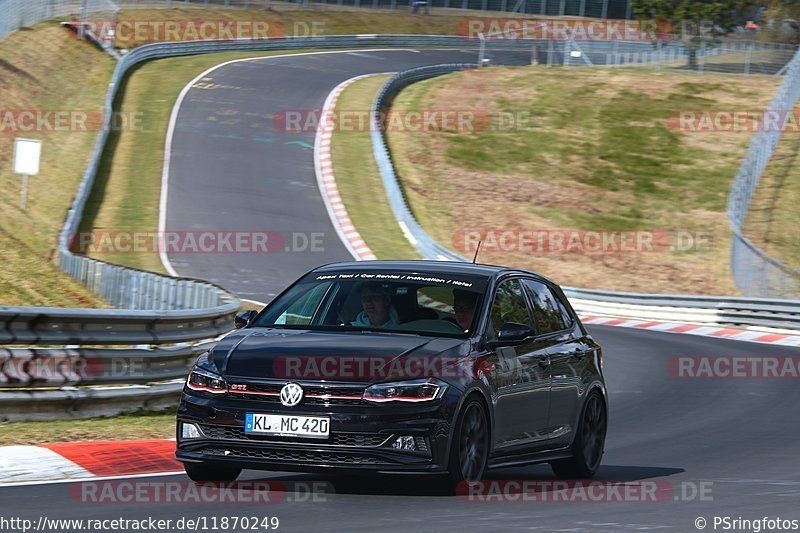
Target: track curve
x,y
739,435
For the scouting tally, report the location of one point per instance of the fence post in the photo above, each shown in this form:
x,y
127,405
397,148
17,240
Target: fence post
x,y
702,59
658,55
748,57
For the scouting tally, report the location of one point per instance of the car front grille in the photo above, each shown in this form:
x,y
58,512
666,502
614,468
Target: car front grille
x,y
311,395
301,456
366,440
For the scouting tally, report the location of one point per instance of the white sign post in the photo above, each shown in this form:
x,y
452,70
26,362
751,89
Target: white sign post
x,y
27,153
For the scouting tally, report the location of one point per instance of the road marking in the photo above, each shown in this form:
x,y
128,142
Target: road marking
x,y
326,180
761,337
25,464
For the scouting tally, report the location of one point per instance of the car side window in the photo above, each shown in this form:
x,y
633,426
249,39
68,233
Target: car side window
x,y
567,316
547,310
508,306
301,311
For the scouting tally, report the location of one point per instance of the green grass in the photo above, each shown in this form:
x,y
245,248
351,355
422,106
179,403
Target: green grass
x,y
589,150
158,425
45,69
359,182
775,208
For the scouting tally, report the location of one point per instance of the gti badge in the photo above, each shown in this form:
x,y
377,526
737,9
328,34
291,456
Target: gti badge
x,y
291,394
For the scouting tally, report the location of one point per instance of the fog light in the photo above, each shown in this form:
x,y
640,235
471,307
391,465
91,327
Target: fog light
x,y
189,431
404,443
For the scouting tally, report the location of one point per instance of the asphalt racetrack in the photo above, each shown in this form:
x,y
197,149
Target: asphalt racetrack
x,y
711,447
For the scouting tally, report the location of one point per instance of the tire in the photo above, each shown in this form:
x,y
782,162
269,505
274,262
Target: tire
x,y
587,447
469,450
201,472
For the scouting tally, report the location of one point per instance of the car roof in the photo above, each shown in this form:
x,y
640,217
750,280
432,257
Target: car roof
x,y
432,267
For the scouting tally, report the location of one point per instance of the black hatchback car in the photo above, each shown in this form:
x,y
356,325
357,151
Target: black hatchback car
x,y
399,367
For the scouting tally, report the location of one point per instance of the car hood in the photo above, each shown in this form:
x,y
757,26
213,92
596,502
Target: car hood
x,y
356,356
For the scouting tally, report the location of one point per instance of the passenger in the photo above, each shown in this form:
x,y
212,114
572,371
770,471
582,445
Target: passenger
x,y
375,299
464,303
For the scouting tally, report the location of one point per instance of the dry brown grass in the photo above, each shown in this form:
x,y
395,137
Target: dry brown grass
x,y
597,155
45,69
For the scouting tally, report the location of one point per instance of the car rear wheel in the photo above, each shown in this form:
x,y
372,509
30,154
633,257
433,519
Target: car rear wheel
x,y
587,448
209,472
470,448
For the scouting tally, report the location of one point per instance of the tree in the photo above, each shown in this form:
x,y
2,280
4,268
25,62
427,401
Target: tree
x,y
695,22
783,20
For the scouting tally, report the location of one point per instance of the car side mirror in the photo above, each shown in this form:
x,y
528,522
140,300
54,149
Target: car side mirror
x,y
512,334
242,319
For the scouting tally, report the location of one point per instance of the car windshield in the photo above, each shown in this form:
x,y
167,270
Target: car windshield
x,y
419,303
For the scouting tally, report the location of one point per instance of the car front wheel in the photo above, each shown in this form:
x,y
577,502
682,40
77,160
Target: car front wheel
x,y
470,449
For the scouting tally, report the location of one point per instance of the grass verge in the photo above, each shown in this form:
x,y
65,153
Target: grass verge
x,y
585,150
775,207
158,425
358,180
43,69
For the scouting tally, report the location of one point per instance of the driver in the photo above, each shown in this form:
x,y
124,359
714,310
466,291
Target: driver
x,y
375,299
464,303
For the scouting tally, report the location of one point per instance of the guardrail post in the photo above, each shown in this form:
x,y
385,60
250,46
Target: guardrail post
x,y
134,291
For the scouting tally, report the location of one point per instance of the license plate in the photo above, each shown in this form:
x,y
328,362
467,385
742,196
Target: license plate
x,y
287,425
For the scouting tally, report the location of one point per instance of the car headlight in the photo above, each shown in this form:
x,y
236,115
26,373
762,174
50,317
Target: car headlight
x,y
415,390
203,380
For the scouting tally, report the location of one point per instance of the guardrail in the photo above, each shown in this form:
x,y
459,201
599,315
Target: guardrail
x,y
760,312
76,366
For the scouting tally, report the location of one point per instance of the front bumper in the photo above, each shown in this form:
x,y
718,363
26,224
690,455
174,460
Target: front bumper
x,y
360,436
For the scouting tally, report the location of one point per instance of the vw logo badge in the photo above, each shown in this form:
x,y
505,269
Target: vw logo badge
x,y
291,394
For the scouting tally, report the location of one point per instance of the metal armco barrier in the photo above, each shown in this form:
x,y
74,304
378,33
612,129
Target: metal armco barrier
x,y
75,366
771,313
87,402
58,326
